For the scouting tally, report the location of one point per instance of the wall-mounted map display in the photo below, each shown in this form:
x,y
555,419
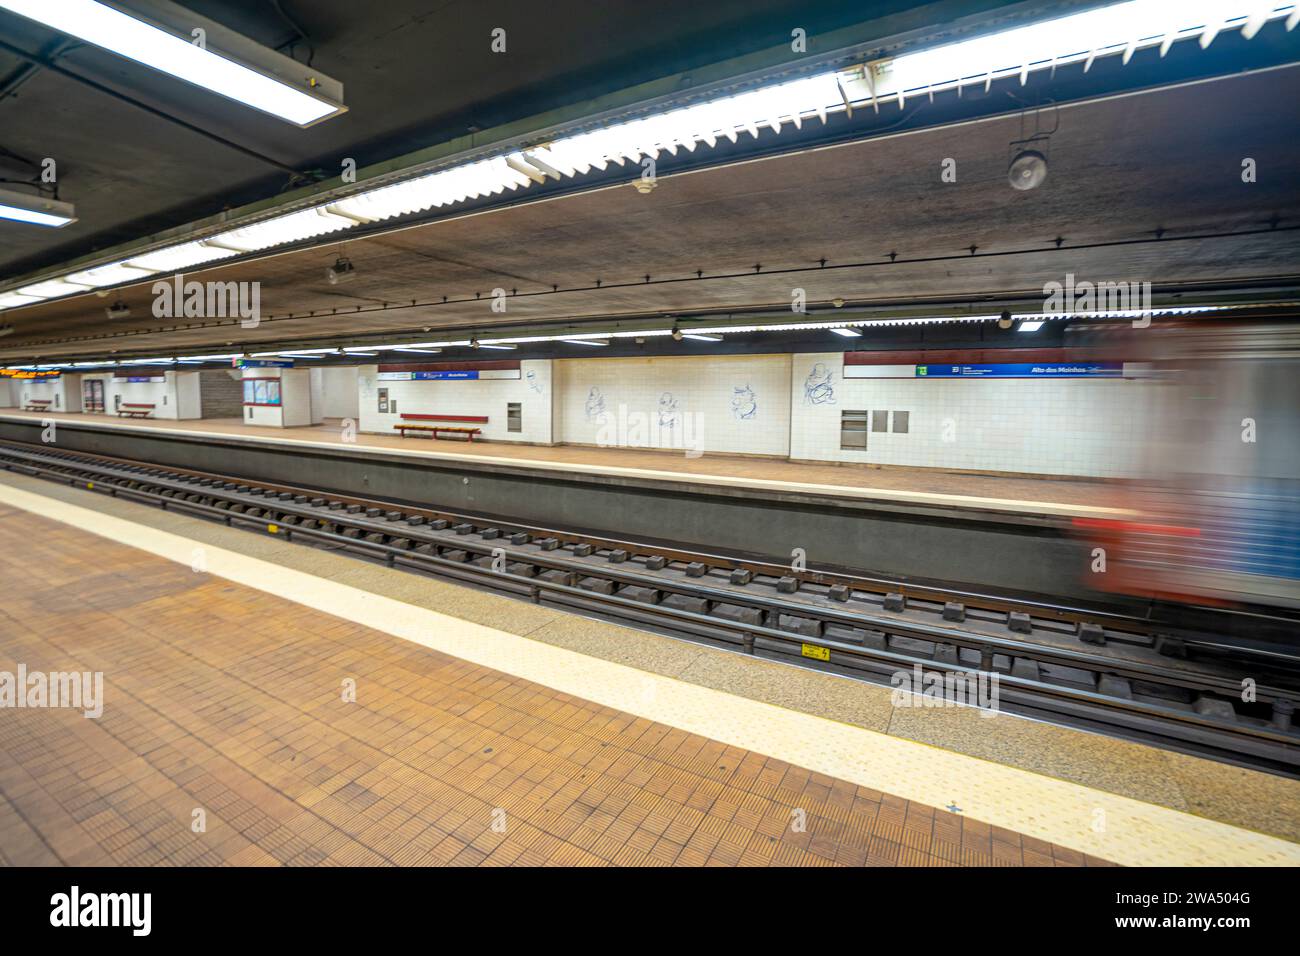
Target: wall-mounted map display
x,y
261,391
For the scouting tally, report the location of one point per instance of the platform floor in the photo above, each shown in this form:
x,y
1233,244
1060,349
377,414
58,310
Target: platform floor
x,y
226,700
919,485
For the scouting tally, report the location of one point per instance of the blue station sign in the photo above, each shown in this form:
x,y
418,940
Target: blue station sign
x,y
1025,370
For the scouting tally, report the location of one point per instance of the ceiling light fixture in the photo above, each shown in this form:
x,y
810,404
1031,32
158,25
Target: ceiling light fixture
x,y
35,210
1030,326
1027,170
586,341
1115,29
14,300
272,82
114,273
847,333
701,337
342,271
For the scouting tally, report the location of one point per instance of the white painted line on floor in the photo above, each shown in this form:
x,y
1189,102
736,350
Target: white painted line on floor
x,y
1113,827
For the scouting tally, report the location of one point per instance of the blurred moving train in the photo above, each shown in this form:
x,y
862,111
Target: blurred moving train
x,y
1218,511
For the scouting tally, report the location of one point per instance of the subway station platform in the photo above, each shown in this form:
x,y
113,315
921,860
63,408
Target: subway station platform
x,y
319,710
1009,494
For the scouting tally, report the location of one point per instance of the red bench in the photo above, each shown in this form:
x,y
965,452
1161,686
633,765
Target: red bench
x,y
37,405
135,409
431,425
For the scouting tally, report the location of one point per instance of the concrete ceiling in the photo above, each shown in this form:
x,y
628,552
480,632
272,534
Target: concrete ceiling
x,y
1142,188
416,72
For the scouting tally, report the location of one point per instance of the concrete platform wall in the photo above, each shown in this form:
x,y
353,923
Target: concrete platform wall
x,y
488,397
737,404
1083,427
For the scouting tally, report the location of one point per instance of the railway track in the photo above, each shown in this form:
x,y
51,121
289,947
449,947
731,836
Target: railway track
x,y
1104,671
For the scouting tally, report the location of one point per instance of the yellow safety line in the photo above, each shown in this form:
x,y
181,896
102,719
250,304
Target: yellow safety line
x,y
1103,824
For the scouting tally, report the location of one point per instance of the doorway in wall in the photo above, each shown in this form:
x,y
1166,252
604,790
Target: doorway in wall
x,y
92,395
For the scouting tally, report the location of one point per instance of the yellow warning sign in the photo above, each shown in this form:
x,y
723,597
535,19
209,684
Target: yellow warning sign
x,y
273,528
817,653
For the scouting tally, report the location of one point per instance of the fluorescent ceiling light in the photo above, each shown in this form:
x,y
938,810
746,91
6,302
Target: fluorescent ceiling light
x,y
13,300
847,333
1030,326
111,274
485,345
586,341
295,352
1114,29
487,177
701,337
293,227
403,348
135,39
35,210
176,258
52,288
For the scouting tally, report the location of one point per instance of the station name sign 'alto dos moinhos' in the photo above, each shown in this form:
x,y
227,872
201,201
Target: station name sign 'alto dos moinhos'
x,y
1024,370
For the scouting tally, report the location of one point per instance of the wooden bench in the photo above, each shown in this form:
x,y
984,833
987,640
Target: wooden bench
x,y
135,409
37,405
432,425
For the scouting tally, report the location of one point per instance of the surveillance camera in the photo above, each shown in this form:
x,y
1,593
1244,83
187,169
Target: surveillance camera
x,y
1004,320
677,334
1028,170
118,310
837,302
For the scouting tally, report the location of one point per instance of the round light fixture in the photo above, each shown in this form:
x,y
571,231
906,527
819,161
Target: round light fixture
x,y
1028,170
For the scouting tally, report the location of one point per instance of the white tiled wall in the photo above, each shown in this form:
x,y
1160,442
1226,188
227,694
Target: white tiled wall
x,y
1065,427
175,397
488,396
339,392
728,403
56,391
